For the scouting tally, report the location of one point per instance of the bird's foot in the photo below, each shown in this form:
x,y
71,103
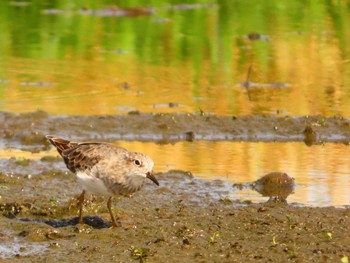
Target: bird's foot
x,y
116,225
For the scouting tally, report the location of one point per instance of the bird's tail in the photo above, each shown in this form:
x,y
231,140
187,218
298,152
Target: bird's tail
x,y
61,144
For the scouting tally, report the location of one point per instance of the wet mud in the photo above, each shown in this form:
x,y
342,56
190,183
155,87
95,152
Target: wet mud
x,y
185,219
28,129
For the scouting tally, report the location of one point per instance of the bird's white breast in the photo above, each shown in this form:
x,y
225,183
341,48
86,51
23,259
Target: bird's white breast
x,y
92,184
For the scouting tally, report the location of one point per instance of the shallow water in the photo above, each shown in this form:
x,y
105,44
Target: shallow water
x,y
321,171
76,58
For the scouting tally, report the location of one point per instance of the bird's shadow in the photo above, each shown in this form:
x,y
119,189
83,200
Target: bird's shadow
x,y
93,221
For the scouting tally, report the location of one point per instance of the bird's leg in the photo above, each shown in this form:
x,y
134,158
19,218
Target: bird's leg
x,y
109,204
81,203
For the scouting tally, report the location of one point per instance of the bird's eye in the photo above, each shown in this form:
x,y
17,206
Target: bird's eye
x,y
137,162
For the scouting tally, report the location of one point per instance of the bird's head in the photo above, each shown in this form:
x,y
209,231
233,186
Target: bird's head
x,y
142,165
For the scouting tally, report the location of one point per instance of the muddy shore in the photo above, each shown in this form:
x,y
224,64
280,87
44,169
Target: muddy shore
x,y
30,128
186,219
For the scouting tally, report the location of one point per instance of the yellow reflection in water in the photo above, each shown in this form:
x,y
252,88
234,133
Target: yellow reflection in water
x,y
16,153
314,69
322,172
112,66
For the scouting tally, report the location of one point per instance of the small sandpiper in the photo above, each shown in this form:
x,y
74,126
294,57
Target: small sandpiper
x,y
104,169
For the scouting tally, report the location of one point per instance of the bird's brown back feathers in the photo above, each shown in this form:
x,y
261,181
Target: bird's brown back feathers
x,y
77,156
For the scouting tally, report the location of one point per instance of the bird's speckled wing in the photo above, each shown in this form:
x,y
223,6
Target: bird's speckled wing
x,y
82,156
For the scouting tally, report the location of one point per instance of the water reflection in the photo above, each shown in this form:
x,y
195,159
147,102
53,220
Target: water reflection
x,y
321,172
76,62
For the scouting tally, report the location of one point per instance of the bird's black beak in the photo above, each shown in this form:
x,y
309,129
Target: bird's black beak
x,y
151,176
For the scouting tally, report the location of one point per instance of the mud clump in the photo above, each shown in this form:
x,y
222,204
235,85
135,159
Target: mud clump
x,y
275,185
50,159
10,210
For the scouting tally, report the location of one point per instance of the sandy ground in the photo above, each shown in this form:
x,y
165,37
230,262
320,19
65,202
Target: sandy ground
x,y
185,219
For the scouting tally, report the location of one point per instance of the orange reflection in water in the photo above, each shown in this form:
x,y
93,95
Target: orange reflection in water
x,y
106,65
94,87
322,172
80,86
